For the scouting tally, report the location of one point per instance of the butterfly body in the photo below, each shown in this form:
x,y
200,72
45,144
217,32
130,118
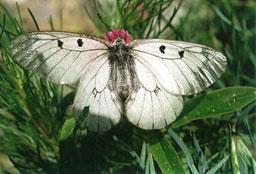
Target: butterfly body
x,y
141,79
122,77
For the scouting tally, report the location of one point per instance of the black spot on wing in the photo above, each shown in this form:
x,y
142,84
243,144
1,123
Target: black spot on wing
x,y
80,42
162,49
181,53
60,43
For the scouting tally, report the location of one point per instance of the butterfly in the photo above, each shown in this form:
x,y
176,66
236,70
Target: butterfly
x,y
143,80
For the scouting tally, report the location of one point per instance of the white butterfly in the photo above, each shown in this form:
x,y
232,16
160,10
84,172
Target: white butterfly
x,y
143,80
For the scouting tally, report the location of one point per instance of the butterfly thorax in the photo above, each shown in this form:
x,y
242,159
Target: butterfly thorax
x,y
119,51
123,79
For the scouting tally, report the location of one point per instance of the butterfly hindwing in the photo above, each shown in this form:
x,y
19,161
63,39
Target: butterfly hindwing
x,y
93,92
180,68
153,109
57,56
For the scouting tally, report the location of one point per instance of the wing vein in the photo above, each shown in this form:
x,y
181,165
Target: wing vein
x,y
65,56
142,108
161,106
65,72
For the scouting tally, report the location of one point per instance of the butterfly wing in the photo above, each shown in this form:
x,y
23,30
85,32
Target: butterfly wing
x,y
180,68
65,58
57,56
153,109
104,107
150,106
166,70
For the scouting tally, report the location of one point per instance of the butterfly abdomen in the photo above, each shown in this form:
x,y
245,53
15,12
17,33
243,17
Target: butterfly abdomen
x,y
123,79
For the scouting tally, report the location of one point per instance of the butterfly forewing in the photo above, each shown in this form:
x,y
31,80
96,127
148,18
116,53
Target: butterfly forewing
x,y
180,68
60,57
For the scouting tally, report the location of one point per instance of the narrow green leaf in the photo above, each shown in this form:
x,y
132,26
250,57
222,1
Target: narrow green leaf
x,y
67,128
50,20
234,158
164,154
242,160
34,19
216,103
7,115
143,155
218,166
151,164
203,166
185,150
222,16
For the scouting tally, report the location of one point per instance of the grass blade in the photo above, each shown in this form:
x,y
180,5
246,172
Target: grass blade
x,y
218,166
165,155
185,150
34,19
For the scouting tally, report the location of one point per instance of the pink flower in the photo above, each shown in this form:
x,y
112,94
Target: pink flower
x,y
111,36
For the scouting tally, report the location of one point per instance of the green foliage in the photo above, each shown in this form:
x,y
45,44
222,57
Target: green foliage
x,y
216,103
165,154
31,115
142,19
242,159
215,133
68,128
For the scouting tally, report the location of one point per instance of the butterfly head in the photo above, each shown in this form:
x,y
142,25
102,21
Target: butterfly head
x,y
117,37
